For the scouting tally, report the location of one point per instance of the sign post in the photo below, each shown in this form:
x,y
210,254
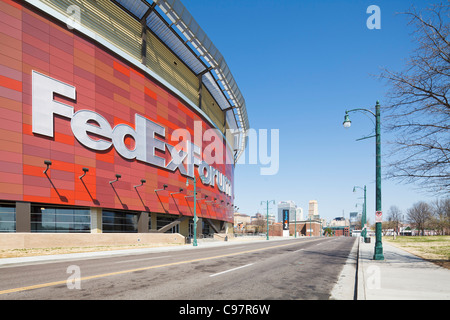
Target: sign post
x,y
286,223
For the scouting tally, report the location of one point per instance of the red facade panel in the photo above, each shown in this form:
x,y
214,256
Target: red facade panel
x,y
108,86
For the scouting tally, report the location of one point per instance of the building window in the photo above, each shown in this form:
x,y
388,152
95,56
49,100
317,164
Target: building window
x,y
162,220
206,229
191,228
7,218
117,221
60,219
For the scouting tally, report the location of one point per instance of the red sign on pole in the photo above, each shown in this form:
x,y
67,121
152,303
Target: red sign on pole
x,y
378,216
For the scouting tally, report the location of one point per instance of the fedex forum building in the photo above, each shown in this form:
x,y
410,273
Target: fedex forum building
x,y
118,120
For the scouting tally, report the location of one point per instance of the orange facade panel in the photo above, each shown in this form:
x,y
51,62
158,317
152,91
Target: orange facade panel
x,y
106,86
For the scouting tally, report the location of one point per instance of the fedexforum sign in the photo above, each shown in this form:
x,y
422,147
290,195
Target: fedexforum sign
x,y
87,124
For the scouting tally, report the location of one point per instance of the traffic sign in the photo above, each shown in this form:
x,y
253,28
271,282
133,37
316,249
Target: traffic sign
x,y
378,216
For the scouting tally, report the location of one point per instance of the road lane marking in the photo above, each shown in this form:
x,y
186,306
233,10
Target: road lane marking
x,y
229,270
50,284
143,259
298,250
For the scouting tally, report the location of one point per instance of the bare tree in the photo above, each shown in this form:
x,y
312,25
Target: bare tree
x,y
260,224
418,109
441,215
419,215
394,217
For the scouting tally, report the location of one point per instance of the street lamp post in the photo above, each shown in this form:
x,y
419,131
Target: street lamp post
x,y
363,218
295,225
267,204
194,243
310,226
378,253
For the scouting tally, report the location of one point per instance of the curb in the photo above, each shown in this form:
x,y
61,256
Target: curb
x,y
355,295
346,285
360,283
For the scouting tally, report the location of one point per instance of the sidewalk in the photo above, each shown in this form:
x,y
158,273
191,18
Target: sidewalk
x,y
401,276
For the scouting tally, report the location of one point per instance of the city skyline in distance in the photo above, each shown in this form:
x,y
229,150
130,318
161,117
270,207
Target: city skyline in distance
x,y
298,75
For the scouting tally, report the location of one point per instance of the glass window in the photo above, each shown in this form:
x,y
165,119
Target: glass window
x,y
60,219
83,219
191,228
7,218
118,221
163,220
206,228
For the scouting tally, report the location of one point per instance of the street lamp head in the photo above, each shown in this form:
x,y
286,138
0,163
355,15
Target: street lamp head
x,y
354,189
347,123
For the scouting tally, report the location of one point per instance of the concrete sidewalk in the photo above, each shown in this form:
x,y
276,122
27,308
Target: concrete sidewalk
x,y
401,276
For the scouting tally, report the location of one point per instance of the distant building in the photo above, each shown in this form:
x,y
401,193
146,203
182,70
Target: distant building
x,y
299,215
354,215
313,210
303,228
260,216
295,213
339,222
355,220
242,219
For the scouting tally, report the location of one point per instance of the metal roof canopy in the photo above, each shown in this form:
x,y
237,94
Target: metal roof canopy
x,y
221,83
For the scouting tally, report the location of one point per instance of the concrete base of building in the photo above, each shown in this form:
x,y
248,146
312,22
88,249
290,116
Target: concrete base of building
x,y
66,240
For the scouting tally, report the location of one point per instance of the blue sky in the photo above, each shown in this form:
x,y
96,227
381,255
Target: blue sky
x,y
300,65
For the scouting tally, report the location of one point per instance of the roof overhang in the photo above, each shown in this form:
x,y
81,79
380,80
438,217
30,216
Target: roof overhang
x,y
172,23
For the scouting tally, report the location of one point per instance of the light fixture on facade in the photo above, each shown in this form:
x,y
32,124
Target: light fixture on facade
x,y
118,176
48,163
164,188
142,183
181,190
85,170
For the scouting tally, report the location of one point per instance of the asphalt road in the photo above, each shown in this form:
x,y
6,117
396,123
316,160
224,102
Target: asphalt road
x,y
305,268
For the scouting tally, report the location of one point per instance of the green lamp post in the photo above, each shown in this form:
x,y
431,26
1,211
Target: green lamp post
x,y
194,243
267,203
295,225
378,253
363,218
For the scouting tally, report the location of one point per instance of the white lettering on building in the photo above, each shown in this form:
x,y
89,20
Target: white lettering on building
x,y
94,132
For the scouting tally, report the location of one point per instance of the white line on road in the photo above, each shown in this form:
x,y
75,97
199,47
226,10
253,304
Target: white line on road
x,y
216,274
298,250
143,259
